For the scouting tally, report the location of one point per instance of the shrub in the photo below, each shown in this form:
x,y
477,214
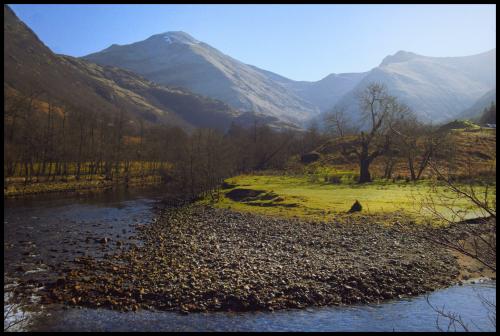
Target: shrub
x,y
335,179
355,177
310,157
166,175
314,178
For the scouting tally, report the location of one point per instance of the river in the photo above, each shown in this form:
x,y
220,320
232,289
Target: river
x,y
43,235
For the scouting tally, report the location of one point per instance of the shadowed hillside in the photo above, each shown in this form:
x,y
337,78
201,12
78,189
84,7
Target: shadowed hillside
x,y
30,67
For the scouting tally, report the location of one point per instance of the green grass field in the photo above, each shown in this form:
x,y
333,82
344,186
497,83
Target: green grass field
x,y
299,196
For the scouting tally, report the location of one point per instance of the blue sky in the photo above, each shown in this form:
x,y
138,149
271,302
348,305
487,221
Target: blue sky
x,y
302,42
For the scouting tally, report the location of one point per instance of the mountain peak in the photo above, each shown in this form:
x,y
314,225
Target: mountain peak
x,y
400,56
178,37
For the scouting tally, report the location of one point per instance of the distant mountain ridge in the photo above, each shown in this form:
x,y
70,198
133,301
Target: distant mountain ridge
x,y
475,111
172,78
436,88
175,58
326,92
30,66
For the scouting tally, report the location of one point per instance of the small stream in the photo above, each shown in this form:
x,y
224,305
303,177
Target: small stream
x,y
43,235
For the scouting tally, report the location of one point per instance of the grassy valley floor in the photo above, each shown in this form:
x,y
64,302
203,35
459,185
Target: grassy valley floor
x,y
298,196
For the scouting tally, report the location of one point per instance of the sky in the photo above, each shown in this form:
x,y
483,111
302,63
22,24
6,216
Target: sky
x,y
301,42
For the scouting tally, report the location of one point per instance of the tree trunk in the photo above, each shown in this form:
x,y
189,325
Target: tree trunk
x,y
107,171
424,163
32,170
411,168
389,167
78,166
26,173
65,170
364,171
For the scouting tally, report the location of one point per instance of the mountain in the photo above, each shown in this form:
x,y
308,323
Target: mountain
x,y
476,110
176,58
326,92
436,88
168,79
489,115
152,102
323,93
29,66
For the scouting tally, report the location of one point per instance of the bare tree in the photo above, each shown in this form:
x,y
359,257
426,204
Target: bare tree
x,y
472,237
476,237
13,316
418,142
337,124
381,110
15,312
453,321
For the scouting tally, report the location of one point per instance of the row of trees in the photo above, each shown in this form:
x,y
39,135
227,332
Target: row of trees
x,y
51,140
45,140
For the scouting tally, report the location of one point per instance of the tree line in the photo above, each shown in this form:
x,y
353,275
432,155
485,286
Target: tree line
x,y
46,140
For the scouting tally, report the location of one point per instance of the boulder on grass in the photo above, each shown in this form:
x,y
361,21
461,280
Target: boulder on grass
x,y
356,207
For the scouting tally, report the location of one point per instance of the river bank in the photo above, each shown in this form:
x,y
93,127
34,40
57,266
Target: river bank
x,y
43,237
17,189
203,259
412,314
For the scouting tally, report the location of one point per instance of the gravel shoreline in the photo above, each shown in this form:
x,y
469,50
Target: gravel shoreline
x,y
198,258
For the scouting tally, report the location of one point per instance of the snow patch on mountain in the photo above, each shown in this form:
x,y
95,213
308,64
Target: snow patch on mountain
x,y
179,37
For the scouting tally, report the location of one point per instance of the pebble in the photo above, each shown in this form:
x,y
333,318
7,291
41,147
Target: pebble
x,y
198,258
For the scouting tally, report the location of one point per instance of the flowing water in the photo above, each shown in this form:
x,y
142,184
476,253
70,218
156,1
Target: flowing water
x,y
43,235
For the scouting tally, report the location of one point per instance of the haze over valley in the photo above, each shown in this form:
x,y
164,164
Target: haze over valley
x,y
437,88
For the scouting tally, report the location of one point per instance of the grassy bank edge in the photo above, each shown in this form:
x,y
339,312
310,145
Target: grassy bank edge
x,y
19,190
